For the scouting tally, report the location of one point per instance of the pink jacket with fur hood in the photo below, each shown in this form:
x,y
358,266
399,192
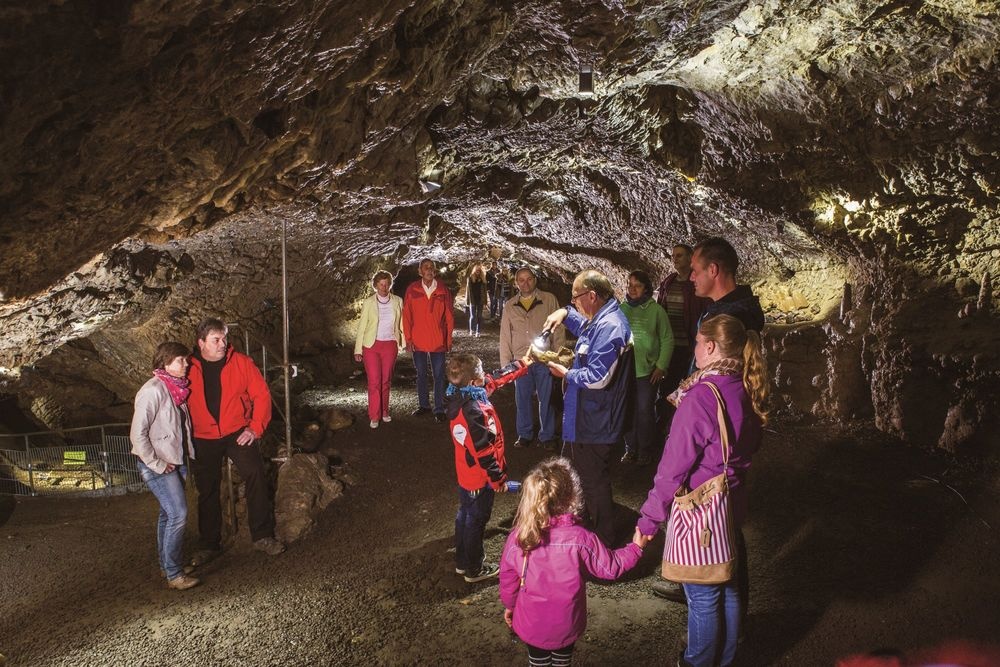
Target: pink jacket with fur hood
x,y
550,606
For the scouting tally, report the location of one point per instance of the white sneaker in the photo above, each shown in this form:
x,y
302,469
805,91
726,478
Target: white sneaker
x,y
373,423
387,419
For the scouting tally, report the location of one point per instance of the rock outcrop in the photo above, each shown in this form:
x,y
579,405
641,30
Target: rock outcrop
x,y
151,153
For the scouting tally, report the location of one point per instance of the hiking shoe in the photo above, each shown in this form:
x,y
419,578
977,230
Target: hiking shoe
x,y
549,445
629,457
440,417
487,571
522,442
459,570
183,582
386,418
373,423
188,569
669,590
421,411
203,556
269,545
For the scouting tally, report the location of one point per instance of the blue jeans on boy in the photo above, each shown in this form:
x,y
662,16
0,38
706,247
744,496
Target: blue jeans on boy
x,y
169,491
435,360
713,623
537,379
474,511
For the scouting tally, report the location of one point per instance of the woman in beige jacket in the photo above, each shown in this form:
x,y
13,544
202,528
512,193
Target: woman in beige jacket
x,y
160,434
379,341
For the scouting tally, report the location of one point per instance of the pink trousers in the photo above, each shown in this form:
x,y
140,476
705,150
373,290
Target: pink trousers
x,y
379,360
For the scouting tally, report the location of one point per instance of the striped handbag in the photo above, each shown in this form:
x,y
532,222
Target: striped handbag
x,y
701,538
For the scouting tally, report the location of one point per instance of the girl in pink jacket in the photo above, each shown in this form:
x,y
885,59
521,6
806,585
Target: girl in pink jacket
x,y
546,560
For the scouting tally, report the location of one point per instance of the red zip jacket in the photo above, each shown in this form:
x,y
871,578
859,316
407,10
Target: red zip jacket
x,y
246,400
477,435
427,322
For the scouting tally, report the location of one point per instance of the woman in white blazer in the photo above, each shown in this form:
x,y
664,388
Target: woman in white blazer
x,y
379,341
160,434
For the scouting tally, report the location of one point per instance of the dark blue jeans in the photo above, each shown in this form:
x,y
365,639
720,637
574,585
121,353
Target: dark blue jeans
x,y
421,360
475,317
640,438
474,511
538,380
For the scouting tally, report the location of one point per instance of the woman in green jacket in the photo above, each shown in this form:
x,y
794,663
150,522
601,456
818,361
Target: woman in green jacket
x,y
654,343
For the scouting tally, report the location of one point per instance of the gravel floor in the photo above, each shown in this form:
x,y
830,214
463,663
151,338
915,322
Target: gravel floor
x,y
852,549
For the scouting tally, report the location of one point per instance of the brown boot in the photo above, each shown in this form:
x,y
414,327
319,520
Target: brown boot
x,y
183,582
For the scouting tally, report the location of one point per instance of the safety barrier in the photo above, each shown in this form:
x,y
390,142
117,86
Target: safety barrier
x,y
93,460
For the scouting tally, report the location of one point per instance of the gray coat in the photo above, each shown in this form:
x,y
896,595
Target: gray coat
x,y
159,428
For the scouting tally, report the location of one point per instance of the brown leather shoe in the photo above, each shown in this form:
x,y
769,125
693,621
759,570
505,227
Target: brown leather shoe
x,y
183,582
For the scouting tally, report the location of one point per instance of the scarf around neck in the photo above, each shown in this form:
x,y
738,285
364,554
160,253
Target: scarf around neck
x,y
730,366
469,391
178,387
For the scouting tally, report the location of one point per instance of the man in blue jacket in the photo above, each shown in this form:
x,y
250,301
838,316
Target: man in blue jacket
x,y
596,404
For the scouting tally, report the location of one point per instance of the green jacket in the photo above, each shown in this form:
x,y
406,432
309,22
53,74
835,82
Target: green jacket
x,y
654,339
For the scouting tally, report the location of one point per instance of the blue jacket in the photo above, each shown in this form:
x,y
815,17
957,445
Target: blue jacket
x,y
597,403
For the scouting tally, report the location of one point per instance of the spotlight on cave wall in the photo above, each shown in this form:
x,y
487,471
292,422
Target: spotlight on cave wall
x,y
427,187
586,80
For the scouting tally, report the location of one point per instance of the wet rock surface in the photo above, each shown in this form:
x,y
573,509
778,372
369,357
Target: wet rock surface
x,y
152,152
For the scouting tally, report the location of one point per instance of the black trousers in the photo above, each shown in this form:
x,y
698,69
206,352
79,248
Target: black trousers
x,y
593,464
207,467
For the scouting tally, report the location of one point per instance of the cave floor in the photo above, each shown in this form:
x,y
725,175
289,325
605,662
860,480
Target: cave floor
x,y
854,547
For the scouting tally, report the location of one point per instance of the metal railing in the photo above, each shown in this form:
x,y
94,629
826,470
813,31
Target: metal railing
x,y
93,460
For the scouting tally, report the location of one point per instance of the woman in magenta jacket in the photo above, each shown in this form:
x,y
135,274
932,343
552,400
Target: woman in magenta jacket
x,y
547,559
729,357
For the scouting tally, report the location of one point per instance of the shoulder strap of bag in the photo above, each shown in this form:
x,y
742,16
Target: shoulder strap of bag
x,y
723,431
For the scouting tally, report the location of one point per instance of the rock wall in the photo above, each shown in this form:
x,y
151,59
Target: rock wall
x,y
151,152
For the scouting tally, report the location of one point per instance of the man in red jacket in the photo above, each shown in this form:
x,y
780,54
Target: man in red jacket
x,y
230,407
428,322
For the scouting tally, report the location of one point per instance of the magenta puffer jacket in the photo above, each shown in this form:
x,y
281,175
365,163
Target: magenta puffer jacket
x,y
550,607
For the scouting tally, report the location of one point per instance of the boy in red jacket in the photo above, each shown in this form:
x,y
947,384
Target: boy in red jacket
x,y
479,455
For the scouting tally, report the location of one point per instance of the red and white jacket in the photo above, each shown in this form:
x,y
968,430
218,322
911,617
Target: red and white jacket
x,y
476,432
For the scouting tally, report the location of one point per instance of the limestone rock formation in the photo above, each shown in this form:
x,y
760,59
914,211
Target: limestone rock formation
x,y
305,488
151,152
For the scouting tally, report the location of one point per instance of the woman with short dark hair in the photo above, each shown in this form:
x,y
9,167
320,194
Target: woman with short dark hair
x,y
378,343
653,339
160,435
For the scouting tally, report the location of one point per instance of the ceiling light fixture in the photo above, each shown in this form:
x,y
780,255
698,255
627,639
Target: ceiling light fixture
x,y
586,80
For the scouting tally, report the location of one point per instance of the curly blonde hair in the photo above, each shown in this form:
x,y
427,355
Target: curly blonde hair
x,y
550,489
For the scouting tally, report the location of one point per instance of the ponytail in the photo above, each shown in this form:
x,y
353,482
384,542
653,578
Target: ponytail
x,y
755,374
550,489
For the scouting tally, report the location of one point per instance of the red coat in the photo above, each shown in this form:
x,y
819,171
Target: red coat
x,y
246,400
476,432
428,322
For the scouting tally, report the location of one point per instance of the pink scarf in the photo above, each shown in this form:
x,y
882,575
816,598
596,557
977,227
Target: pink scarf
x,y
721,367
178,387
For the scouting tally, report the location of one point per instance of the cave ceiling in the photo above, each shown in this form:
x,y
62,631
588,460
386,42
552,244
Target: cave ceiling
x,y
151,151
